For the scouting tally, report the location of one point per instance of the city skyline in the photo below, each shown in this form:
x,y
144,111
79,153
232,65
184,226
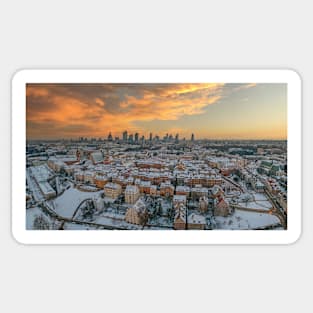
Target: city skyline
x,y
209,111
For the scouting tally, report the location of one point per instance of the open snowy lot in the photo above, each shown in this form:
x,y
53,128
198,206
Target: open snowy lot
x,y
66,204
260,196
245,220
262,205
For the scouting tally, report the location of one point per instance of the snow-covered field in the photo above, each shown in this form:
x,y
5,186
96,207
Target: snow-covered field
x,y
245,220
66,204
260,196
104,220
262,205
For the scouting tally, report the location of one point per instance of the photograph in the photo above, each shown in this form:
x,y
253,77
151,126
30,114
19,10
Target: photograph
x,y
156,156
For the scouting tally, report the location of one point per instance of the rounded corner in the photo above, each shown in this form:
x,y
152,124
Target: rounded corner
x,y
295,238
17,238
295,75
18,75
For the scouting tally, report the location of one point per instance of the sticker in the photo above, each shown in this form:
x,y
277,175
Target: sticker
x,y
156,156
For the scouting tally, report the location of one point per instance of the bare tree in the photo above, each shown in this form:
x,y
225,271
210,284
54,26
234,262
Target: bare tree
x,y
40,223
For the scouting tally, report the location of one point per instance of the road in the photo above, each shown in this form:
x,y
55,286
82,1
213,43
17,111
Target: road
x,y
278,211
232,182
62,219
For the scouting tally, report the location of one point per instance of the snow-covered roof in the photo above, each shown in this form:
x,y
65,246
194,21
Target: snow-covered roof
x,y
179,198
216,189
131,189
112,186
97,156
182,188
180,212
139,206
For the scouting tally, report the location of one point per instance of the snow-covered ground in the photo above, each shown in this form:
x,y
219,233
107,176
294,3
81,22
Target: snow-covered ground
x,y
118,220
113,215
72,226
31,214
262,205
260,196
66,204
245,220
104,220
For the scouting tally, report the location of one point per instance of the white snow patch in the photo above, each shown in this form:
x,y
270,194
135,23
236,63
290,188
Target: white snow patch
x,y
246,220
260,205
66,204
260,196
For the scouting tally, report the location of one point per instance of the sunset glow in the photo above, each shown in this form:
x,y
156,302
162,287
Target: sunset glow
x,y
212,111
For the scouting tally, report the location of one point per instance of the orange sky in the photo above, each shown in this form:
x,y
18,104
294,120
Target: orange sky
x,y
232,111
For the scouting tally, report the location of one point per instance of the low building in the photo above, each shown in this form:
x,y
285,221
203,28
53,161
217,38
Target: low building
x,y
213,180
132,194
55,164
183,190
180,216
144,187
217,191
258,186
96,157
221,207
98,203
179,199
79,176
89,177
166,189
196,221
153,190
203,204
47,190
137,214
69,170
199,191
112,190
100,181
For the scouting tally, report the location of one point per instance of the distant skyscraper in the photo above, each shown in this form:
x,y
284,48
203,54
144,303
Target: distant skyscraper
x,y
131,138
177,138
110,138
150,137
192,137
125,135
136,137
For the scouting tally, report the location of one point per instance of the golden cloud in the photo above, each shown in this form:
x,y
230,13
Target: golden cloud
x,y
55,111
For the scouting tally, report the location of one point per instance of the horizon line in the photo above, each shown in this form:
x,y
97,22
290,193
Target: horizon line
x,y
161,139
